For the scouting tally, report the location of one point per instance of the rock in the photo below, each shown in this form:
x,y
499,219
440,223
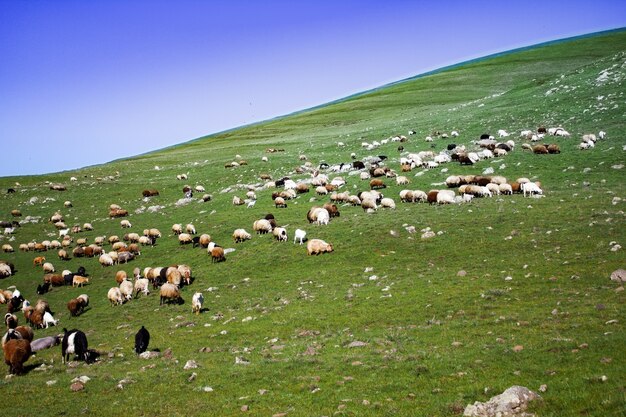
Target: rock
x,y
82,379
149,355
168,353
619,275
77,386
241,361
244,408
192,377
207,389
461,273
310,351
543,388
394,233
206,350
51,383
511,402
428,234
191,364
357,343
518,348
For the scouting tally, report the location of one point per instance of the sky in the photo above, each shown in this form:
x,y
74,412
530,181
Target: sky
x,y
87,82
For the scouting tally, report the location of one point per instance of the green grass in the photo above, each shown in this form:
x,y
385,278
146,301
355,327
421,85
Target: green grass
x,y
435,341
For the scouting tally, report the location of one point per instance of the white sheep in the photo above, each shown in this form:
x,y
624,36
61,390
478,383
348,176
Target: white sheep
x,y
323,217
502,133
191,229
126,288
125,224
531,188
196,302
48,268
48,320
445,197
115,296
240,235
299,235
280,233
387,203
141,285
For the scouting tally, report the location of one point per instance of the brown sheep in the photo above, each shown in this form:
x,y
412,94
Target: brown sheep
x,y
76,306
204,240
16,352
56,280
431,197
332,209
150,193
63,255
377,184
540,149
39,260
16,213
554,148
217,254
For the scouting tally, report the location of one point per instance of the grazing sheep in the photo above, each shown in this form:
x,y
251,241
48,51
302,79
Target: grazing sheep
x,y
16,352
553,148
63,255
279,202
184,238
177,229
75,342
262,226
196,303
78,281
318,246
445,197
126,289
203,240
531,188
7,248
369,204
280,233
76,306
125,224
299,234
185,273
240,235
174,276
115,296
39,260
387,203
217,254
431,196
150,193
141,285
142,340
170,292
191,229
237,201
48,268
376,184
48,320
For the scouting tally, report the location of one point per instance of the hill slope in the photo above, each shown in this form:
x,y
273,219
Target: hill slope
x,y
387,323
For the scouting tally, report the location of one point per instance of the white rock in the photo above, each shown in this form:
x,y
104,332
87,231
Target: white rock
x,y
512,401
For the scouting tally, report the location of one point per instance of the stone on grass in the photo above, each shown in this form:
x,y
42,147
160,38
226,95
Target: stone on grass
x,y
619,275
511,402
191,364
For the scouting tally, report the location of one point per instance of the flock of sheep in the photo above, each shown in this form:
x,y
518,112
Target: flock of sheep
x,y
18,342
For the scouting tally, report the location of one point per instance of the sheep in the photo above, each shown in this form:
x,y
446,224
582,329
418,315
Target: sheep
x,y
142,340
299,234
204,240
184,238
322,216
387,203
240,235
431,196
406,196
150,193
75,342
39,260
76,306
78,281
115,296
332,210
318,246
279,202
141,285
16,352
237,201
49,320
173,276
217,254
280,233
7,248
185,273
44,343
196,303
177,229
48,268
445,197
531,188
125,224
262,226
170,292
191,229
505,189
321,190
126,289
368,204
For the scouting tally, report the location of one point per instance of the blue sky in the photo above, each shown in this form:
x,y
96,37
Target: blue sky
x,y
86,82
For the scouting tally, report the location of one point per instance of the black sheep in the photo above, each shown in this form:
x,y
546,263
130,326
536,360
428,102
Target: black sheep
x,y
142,339
75,341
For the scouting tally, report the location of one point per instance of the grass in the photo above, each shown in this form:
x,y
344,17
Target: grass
x,y
433,341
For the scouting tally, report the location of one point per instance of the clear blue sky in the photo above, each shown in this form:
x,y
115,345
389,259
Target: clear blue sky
x,y
86,82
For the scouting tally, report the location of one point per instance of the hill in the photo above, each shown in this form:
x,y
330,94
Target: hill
x,y
511,290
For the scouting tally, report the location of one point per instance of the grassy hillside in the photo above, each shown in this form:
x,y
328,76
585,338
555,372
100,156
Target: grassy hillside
x,y
534,306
